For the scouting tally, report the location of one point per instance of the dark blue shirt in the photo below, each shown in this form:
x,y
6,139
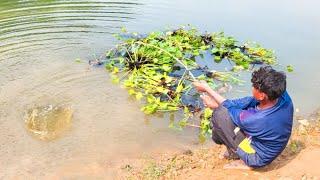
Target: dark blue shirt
x,y
269,129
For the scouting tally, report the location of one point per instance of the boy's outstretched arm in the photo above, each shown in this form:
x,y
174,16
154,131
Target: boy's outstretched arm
x,y
204,87
209,102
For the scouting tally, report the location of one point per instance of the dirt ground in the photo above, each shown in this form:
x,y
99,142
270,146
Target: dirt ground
x,y
300,160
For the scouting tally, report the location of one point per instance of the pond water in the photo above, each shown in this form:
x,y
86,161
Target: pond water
x,y
42,42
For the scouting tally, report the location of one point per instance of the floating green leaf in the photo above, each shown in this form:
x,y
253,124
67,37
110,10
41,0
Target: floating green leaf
x,y
290,68
115,79
78,60
139,95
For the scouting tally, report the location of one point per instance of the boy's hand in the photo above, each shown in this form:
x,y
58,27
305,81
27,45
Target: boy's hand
x,y
201,86
209,101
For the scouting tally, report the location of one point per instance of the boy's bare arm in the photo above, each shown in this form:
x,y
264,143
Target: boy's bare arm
x,y
204,87
208,101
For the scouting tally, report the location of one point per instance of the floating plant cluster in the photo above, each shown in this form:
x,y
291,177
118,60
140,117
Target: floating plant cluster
x,y
159,68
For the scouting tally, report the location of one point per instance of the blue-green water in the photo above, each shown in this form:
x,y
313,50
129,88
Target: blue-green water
x,y
41,40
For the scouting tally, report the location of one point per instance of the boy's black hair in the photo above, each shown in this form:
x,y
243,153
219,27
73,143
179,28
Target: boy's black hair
x,y
269,81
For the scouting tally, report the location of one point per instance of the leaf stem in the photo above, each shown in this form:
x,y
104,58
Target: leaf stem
x,y
178,60
193,125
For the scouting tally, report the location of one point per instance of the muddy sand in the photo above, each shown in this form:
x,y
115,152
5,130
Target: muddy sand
x,y
300,160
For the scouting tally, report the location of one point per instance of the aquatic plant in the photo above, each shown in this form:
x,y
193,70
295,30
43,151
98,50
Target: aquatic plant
x,y
158,69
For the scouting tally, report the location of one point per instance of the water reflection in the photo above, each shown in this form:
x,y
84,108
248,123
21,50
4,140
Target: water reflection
x,y
48,122
25,23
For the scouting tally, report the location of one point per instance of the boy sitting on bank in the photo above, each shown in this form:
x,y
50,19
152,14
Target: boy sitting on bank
x,y
255,129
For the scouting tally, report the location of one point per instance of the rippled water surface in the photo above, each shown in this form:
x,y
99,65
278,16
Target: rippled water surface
x,y
40,41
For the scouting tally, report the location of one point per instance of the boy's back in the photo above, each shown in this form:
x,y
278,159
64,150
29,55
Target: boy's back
x,y
269,129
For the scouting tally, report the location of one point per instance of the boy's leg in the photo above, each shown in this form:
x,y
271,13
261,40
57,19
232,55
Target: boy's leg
x,y
223,130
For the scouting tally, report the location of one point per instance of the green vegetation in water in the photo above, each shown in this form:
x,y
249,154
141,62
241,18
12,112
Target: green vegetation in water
x,y
48,122
289,68
159,69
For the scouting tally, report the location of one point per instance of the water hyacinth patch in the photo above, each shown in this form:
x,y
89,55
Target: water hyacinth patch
x,y
158,69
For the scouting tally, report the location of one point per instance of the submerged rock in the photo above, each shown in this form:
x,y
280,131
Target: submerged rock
x,y
48,122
